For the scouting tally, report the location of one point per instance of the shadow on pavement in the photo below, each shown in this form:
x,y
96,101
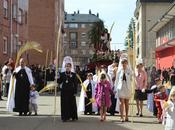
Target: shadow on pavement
x,y
144,122
48,123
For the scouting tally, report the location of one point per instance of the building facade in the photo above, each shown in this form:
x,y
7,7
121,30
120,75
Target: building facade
x,y
147,13
165,39
76,40
13,27
45,18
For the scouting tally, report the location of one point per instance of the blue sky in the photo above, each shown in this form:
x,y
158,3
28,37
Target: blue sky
x,y
118,11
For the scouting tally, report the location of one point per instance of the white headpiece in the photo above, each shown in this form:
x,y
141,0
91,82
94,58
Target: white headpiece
x,y
123,57
67,60
104,72
139,61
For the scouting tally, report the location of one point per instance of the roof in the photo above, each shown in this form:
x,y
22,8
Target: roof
x,y
81,18
140,2
165,18
154,1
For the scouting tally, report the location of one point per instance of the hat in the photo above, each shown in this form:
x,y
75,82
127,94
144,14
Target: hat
x,y
139,61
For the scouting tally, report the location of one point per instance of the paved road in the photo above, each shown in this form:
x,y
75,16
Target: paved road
x,y
45,120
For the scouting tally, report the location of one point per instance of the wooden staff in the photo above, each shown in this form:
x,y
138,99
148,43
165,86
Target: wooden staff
x,y
51,53
133,80
47,54
51,57
56,73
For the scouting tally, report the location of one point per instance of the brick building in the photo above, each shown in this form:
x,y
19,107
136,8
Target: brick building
x,y
76,40
44,20
13,27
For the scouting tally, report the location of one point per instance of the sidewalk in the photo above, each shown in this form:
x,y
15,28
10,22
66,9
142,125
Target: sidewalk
x,y
45,120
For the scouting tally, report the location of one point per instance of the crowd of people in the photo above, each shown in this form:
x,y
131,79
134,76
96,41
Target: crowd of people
x,y
109,89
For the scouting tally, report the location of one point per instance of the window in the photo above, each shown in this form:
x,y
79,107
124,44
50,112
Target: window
x,y
65,44
90,25
73,36
65,34
18,45
73,25
73,44
91,52
73,39
20,16
83,43
83,34
138,39
83,52
83,25
14,11
74,52
138,52
5,43
26,18
15,41
65,25
138,27
5,8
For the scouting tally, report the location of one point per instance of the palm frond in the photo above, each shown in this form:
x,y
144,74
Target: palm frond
x,y
168,85
82,85
111,28
92,100
50,86
28,46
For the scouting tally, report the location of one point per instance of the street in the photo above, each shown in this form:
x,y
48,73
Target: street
x,y
45,119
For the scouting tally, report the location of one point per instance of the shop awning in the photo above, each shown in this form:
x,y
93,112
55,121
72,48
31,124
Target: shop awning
x,y
166,45
170,14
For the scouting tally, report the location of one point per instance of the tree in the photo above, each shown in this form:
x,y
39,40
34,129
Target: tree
x,y
129,40
95,34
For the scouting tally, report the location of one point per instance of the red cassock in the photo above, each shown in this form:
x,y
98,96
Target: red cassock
x,y
157,98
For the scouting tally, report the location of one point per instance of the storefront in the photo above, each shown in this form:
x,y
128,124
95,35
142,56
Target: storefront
x,y
165,56
165,39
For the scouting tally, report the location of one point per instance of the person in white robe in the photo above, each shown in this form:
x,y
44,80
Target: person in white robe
x,y
97,73
112,69
170,112
86,95
123,86
19,90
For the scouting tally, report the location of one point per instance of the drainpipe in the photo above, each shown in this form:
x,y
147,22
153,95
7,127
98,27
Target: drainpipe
x,y
11,29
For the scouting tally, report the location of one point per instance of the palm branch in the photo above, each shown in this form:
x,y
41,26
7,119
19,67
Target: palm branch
x,y
50,86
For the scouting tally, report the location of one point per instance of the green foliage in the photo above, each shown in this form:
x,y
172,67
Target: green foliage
x,y
130,34
95,34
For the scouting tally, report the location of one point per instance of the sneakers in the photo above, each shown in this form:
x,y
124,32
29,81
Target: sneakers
x,y
36,114
30,113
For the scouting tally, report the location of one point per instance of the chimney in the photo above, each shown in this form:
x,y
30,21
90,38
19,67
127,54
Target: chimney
x,y
78,12
90,11
98,15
